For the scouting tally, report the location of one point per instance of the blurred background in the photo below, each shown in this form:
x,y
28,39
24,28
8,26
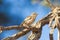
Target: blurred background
x,y
13,12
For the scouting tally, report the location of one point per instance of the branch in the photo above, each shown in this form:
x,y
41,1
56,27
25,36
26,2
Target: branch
x,y
27,22
16,27
50,4
43,21
51,32
19,34
51,36
9,27
58,26
36,34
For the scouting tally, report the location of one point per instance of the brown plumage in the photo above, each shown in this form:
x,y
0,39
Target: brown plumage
x,y
29,20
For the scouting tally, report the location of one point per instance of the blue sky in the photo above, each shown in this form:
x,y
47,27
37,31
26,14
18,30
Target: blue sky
x,y
18,10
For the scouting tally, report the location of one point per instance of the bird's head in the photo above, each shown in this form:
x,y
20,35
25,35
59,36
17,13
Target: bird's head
x,y
34,14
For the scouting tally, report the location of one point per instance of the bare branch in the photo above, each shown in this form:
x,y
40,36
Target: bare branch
x,y
52,31
19,34
51,36
51,21
9,27
16,27
26,23
36,34
36,29
43,21
50,4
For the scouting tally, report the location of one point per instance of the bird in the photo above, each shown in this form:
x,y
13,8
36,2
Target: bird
x,y
29,20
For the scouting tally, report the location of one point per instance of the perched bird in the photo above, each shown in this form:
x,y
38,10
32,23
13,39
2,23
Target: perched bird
x,y
29,20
